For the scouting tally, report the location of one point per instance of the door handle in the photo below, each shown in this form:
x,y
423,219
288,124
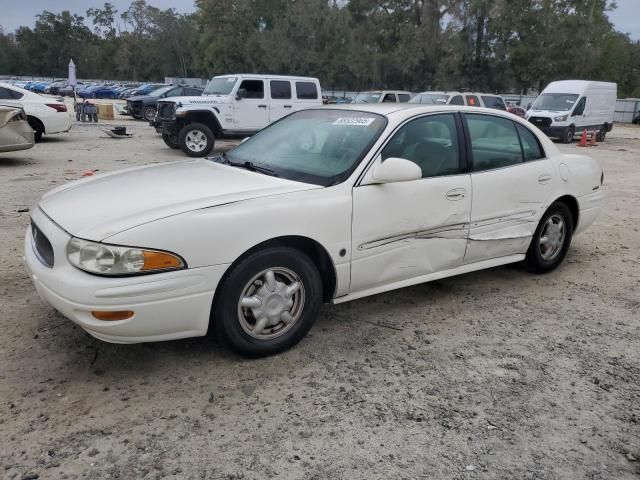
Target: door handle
x,y
456,194
287,106
262,106
545,178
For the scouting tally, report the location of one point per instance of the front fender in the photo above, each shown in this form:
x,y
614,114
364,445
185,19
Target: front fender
x,y
219,235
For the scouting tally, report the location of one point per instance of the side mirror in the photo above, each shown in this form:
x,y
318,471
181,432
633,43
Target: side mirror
x,y
394,170
242,93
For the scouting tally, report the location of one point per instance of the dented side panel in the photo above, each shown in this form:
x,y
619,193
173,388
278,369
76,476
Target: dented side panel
x,y
507,206
407,229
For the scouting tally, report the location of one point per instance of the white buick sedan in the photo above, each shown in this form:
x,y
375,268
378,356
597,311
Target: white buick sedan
x,y
326,205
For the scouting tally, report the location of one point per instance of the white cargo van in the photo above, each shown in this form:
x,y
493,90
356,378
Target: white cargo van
x,y
567,107
232,106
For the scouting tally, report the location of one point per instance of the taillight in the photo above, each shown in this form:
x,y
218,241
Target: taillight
x,y
58,107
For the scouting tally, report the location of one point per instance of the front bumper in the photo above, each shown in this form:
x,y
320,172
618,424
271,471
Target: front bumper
x,y
166,306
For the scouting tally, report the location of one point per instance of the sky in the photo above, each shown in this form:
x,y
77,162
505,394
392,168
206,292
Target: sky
x,y
626,18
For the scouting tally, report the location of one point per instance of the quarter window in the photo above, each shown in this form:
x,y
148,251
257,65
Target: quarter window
x,y
306,90
530,146
404,97
493,102
253,88
494,142
430,142
280,89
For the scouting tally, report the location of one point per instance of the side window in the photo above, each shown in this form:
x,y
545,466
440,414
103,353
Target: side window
x,y
192,92
280,89
457,100
579,110
472,101
389,98
430,142
404,97
530,146
174,92
306,91
494,142
254,88
5,94
493,102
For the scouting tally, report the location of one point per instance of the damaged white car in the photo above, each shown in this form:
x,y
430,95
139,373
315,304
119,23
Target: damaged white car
x,y
326,205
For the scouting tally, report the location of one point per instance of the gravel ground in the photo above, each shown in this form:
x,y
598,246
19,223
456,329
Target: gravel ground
x,y
498,374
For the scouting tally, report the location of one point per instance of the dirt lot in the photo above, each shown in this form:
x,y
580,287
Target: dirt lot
x,y
495,375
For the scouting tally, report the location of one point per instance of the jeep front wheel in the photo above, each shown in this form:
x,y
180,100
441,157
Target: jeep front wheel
x,y
196,140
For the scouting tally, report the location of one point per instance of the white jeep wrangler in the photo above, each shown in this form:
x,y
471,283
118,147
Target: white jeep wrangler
x,y
232,106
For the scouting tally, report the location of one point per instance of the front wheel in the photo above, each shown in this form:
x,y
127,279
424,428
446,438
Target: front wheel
x,y
171,140
196,140
268,302
602,134
551,239
568,135
149,113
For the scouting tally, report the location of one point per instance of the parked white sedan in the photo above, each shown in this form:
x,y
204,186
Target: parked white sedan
x,y
327,204
45,115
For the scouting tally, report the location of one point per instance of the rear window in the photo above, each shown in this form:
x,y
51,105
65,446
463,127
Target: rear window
x,y
306,90
493,102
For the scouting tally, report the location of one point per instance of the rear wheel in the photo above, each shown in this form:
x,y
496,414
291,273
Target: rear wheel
x,y
149,113
171,140
268,302
568,135
37,126
196,140
602,134
551,239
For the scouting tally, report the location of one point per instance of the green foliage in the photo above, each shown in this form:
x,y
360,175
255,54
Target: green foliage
x,y
492,45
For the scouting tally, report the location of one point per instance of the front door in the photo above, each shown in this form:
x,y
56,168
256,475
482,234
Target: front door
x,y
512,183
408,229
251,110
281,103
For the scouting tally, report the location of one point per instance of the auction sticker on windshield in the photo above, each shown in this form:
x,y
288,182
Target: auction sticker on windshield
x,y
359,121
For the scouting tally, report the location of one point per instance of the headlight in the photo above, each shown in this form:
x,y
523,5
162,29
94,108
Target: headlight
x,y
561,119
103,259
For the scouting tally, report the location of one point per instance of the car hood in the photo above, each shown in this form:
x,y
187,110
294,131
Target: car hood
x,y
98,207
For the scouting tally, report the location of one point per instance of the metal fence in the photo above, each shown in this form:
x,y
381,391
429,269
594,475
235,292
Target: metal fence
x,y
626,109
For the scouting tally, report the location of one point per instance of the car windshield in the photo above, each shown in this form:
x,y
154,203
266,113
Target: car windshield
x,y
160,91
220,86
430,98
322,147
371,97
555,101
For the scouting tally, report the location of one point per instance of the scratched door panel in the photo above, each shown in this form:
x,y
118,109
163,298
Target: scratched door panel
x,y
408,229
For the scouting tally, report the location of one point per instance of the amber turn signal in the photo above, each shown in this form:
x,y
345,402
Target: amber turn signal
x,y
112,316
159,261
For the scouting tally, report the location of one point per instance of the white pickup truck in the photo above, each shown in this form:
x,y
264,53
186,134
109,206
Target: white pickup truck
x,y
232,106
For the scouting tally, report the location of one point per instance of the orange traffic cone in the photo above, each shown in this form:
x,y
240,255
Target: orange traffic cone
x,y
593,139
583,139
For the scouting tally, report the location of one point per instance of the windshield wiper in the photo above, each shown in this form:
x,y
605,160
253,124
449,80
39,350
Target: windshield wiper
x,y
247,165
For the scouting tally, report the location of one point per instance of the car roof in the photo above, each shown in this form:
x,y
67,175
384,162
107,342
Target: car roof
x,y
266,77
411,109
454,92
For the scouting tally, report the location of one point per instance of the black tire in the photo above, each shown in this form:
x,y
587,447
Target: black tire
x,y
226,320
37,127
171,141
205,147
534,261
602,134
149,113
568,135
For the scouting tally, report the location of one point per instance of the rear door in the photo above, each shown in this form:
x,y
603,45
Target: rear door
x,y
280,99
512,182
